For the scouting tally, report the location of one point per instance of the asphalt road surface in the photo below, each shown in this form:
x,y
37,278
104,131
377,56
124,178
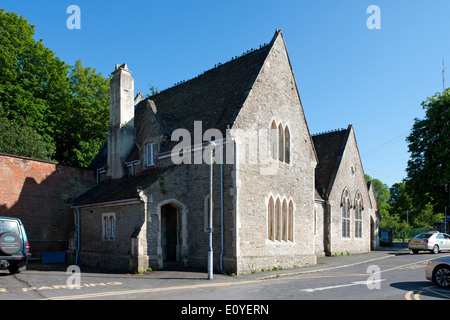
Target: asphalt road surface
x,y
398,276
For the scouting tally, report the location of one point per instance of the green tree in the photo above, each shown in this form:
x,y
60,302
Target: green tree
x,y
23,140
154,90
428,169
32,80
60,108
382,195
82,127
400,204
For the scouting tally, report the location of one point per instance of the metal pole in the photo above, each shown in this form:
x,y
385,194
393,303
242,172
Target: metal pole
x,y
445,218
211,145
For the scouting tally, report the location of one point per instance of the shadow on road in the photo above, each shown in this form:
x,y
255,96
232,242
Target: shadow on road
x,y
425,289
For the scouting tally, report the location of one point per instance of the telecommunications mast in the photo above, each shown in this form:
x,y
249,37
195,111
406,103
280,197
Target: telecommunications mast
x,y
444,67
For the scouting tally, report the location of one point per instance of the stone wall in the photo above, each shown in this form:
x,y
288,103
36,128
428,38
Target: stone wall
x,y
121,252
350,176
274,97
319,227
186,189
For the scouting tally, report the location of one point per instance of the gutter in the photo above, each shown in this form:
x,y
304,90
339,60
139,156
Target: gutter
x,y
78,235
221,210
109,203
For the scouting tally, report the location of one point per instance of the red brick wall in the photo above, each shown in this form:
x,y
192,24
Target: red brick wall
x,y
40,193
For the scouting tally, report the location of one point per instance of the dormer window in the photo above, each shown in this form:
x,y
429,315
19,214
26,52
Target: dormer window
x,y
150,154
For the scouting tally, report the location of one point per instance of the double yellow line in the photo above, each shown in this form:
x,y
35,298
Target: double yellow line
x,y
415,294
150,290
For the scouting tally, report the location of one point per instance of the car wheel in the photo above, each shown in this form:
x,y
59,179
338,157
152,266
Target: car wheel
x,y
436,249
442,276
415,251
13,268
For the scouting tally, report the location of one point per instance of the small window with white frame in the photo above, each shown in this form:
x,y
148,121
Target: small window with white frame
x,y
150,154
108,226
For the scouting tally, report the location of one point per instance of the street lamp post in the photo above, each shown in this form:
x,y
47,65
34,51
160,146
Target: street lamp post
x,y
447,188
211,145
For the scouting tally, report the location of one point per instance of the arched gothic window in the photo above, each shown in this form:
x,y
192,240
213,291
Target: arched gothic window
x,y
291,221
287,145
280,220
358,215
274,140
277,220
345,206
270,219
280,142
285,221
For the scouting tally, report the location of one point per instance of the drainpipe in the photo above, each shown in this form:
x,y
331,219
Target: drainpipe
x,y
211,145
221,206
78,236
327,235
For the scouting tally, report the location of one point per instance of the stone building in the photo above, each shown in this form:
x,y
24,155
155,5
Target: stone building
x,y
345,213
152,202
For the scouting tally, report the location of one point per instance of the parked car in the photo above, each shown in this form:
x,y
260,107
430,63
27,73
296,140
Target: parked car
x,y
431,241
438,271
14,246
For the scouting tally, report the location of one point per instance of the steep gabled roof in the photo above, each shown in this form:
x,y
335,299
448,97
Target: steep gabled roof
x,y
329,148
214,98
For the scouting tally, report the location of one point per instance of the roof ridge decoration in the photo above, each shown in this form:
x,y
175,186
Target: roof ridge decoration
x,y
329,131
220,64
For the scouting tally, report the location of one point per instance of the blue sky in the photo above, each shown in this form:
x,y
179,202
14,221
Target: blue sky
x,y
346,73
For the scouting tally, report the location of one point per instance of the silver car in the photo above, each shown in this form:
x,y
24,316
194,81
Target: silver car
x,y
432,241
438,271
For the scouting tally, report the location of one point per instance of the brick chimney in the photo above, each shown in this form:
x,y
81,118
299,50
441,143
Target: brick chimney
x,y
121,133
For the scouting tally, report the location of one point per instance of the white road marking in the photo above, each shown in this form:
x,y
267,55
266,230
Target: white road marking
x,y
354,283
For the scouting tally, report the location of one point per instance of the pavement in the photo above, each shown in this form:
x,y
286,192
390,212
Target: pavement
x,y
193,277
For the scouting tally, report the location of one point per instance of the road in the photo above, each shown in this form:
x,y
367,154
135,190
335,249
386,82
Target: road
x,y
394,277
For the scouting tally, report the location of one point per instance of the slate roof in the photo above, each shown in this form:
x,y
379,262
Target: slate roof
x,y
214,97
126,188
329,148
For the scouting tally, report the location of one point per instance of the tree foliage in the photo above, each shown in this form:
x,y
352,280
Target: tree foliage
x,y
61,109
402,206
31,77
382,195
429,144
22,140
83,126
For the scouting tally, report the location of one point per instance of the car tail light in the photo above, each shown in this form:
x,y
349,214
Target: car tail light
x,y
27,246
425,241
